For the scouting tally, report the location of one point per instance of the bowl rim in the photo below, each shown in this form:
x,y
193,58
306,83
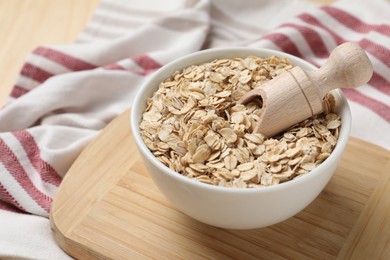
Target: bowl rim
x,y
261,52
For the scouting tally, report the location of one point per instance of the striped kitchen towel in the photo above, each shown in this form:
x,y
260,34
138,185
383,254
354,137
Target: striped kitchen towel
x,y
65,94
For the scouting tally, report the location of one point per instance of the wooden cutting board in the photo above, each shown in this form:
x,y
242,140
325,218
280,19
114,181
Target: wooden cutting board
x,y
107,207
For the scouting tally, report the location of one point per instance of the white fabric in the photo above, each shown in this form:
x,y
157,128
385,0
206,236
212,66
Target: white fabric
x,y
27,237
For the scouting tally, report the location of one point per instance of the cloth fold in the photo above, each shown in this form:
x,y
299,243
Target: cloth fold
x,y
66,94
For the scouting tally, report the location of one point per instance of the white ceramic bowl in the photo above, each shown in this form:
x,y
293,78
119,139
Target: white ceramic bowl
x,y
235,208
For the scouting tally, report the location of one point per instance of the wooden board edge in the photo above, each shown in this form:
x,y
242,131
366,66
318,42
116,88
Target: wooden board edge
x,y
62,236
72,247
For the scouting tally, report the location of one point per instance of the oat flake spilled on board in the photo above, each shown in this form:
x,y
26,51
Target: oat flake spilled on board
x,y
194,125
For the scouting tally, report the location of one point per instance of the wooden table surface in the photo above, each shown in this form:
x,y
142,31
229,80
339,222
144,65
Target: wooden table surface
x,y
26,24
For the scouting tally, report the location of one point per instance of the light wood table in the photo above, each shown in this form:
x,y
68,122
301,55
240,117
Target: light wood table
x,y
26,24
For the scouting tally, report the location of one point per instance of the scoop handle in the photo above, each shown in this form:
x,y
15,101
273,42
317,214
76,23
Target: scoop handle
x,y
347,67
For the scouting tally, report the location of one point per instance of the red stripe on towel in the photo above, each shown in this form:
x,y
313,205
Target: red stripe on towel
x,y
380,83
312,38
378,51
18,91
354,23
379,108
34,72
283,42
16,170
9,207
47,172
114,66
313,21
66,60
8,200
145,62
144,72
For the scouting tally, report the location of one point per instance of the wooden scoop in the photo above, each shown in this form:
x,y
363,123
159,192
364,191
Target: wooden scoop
x,y
297,94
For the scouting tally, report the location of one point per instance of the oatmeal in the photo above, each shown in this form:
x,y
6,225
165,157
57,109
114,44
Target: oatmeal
x,y
194,125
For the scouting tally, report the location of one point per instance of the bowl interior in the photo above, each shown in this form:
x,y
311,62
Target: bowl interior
x,y
166,71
